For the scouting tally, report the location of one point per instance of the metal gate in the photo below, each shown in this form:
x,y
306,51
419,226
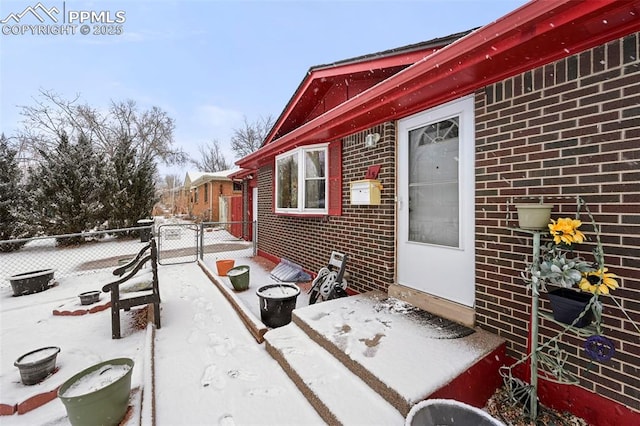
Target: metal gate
x,y
178,243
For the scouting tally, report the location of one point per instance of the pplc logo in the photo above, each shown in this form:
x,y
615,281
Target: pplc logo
x,y
38,11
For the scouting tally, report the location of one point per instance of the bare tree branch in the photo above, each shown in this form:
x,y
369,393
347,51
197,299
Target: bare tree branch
x,y
211,158
250,137
150,131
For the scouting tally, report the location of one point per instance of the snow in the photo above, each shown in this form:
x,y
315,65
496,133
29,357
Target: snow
x,y
368,329
206,368
96,380
278,291
205,360
37,355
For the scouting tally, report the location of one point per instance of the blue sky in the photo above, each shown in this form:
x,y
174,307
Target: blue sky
x,y
209,63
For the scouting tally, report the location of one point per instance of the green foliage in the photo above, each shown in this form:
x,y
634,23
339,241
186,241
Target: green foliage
x,y
14,202
69,189
132,187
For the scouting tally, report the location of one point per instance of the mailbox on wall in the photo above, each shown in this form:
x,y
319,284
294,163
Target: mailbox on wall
x,y
365,192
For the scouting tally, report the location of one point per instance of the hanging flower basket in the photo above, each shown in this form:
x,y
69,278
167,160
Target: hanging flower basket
x,y
567,305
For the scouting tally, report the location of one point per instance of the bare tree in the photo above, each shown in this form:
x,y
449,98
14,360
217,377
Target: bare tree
x,y
250,137
211,158
52,116
172,181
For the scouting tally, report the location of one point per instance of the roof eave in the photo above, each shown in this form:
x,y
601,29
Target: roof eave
x,y
451,72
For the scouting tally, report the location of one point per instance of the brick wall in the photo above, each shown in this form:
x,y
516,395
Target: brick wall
x,y
364,233
569,128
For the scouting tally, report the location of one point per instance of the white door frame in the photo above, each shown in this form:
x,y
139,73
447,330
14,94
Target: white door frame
x,y
444,272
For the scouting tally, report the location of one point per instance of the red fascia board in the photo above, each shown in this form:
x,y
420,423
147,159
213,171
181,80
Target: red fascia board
x,y
331,72
533,35
241,174
409,58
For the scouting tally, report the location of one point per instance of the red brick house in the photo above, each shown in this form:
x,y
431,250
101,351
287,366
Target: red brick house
x,y
542,102
205,190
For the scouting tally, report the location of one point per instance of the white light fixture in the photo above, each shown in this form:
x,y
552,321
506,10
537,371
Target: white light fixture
x,y
371,139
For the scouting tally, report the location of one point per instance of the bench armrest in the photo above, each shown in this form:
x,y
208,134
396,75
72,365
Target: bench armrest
x,y
107,287
119,271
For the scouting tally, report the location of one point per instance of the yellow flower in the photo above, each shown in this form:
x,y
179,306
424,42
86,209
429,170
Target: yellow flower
x,y
599,281
565,230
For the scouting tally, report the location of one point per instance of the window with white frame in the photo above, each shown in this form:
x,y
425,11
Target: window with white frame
x,y
301,181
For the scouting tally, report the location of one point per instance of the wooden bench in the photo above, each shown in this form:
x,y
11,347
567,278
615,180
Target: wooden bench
x,y
144,297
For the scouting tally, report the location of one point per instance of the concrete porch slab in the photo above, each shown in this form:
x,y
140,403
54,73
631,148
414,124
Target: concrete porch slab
x,y
399,356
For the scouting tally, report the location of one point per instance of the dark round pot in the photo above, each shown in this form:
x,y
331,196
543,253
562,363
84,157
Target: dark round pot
x,y
31,282
89,297
98,395
277,302
36,365
567,305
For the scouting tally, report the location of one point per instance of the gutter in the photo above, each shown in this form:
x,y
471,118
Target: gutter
x,y
550,30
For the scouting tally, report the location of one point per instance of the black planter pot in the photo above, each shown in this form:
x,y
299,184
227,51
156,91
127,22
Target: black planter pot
x,y
31,282
567,305
277,302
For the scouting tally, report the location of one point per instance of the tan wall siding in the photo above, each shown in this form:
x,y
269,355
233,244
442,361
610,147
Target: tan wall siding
x,y
569,128
209,210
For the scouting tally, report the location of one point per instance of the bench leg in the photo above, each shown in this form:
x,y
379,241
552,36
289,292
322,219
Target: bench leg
x,y
115,322
156,314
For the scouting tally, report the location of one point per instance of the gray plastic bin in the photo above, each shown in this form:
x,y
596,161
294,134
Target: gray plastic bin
x,y
446,412
145,231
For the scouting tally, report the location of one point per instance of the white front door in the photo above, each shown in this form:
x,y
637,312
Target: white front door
x,y
436,201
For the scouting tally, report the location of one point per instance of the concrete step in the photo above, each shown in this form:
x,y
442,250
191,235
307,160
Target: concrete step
x,y
402,353
327,384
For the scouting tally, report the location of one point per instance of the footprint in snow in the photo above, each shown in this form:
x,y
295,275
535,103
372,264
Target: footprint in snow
x,y
226,420
193,336
213,378
247,376
222,345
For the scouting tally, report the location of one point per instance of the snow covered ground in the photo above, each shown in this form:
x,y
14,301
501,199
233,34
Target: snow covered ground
x,y
208,367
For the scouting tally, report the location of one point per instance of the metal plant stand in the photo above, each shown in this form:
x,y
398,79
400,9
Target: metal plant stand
x,y
546,360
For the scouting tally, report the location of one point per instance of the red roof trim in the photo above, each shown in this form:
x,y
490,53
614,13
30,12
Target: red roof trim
x,y
535,34
332,71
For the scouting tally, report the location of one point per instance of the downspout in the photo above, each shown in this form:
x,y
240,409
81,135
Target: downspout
x,y
210,201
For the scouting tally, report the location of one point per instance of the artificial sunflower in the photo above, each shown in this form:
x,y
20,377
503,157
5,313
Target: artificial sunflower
x,y
565,230
600,281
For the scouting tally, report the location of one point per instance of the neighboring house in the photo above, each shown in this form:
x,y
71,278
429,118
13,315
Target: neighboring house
x,y
205,190
544,101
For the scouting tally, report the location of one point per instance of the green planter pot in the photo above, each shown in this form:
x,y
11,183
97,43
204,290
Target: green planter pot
x,y
534,216
239,277
92,398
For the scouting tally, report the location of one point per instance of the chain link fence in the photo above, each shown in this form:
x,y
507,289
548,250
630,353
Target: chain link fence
x,y
100,250
103,251
223,240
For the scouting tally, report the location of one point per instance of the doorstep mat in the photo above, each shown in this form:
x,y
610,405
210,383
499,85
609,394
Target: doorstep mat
x,y
447,329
